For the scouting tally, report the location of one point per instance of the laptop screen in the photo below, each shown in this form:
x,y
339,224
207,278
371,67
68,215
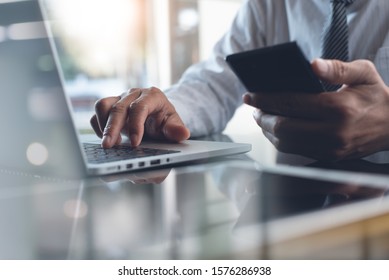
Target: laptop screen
x,y
38,134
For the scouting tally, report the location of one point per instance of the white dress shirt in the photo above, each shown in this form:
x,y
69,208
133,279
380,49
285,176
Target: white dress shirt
x,y
208,93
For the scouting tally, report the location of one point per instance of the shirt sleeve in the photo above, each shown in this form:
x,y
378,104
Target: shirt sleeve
x,y
209,92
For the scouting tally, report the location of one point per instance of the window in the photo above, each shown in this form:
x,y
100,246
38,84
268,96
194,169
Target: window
x,y
106,47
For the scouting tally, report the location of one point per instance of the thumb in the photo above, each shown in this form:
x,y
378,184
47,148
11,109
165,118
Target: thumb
x,y
175,130
350,73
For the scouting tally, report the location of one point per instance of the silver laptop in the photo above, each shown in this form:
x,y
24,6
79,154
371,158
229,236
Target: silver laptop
x,y
37,130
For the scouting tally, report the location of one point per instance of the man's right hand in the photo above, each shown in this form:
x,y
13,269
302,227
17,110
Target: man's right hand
x,y
136,113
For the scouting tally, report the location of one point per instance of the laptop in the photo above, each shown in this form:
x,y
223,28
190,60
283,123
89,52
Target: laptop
x,y
38,132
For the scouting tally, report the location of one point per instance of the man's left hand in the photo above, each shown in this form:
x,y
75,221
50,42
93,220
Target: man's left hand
x,y
350,123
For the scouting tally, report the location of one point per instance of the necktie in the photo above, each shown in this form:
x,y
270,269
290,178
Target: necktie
x,y
335,36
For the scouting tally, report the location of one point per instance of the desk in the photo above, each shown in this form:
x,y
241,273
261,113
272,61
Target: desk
x,y
230,208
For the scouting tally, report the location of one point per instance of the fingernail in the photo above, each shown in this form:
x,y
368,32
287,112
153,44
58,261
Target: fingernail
x,y
247,99
106,142
134,140
322,65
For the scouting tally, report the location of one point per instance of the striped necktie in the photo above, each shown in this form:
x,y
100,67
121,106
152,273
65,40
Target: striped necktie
x,y
335,36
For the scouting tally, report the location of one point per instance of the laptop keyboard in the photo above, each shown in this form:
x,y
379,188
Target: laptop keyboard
x,y
96,154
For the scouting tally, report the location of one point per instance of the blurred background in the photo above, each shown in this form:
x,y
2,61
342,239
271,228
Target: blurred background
x,y
107,47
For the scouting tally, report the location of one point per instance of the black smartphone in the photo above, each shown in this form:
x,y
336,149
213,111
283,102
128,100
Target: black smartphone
x,y
279,68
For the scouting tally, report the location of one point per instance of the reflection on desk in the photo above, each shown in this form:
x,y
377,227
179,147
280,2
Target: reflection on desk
x,y
223,209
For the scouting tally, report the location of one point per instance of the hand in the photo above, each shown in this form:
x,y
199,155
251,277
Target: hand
x,y
139,111
350,123
139,178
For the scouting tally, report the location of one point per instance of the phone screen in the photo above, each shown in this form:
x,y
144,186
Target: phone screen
x,y
279,68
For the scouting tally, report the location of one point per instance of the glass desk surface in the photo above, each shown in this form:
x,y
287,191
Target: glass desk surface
x,y
224,209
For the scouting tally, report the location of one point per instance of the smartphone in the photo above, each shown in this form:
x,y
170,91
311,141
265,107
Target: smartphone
x,y
279,68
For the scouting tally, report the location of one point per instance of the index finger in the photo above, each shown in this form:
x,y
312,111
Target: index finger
x,y
117,118
154,115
